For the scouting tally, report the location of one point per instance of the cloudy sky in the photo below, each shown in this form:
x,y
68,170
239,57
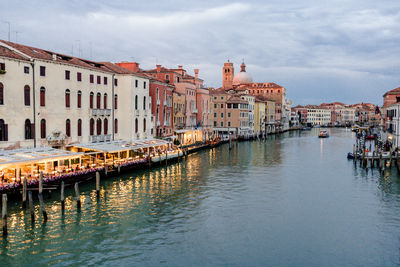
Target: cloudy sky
x,y
338,50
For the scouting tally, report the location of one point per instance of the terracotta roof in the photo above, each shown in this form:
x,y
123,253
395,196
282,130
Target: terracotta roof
x,y
117,69
395,91
38,53
5,52
236,99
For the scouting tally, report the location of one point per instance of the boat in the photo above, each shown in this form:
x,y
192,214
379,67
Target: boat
x,y
306,128
323,134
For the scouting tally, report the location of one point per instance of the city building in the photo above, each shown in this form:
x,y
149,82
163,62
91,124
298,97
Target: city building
x,y
317,115
47,98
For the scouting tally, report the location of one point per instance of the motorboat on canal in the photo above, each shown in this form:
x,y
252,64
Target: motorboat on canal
x,y
323,134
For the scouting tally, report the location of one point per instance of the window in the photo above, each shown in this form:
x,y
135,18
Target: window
x,y
91,126
29,129
79,127
116,126
91,78
105,126
144,85
136,83
42,71
2,66
215,105
222,124
27,95
98,126
68,128
115,101
215,115
144,103
67,98
229,123
67,74
144,125
167,78
229,114
222,115
215,124
3,131
42,96
105,101
43,128
1,94
222,105
116,82
136,102
98,80
79,100
98,100
136,125
26,70
79,77
105,81
91,99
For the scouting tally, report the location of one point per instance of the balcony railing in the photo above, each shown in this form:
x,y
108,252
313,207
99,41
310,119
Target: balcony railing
x,y
100,112
100,138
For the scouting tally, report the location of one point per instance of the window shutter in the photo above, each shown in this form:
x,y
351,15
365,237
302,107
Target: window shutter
x,y
5,132
32,130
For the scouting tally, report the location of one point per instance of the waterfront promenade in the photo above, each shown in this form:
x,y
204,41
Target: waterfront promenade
x,y
291,200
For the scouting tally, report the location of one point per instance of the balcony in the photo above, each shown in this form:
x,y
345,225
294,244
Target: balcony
x,y
165,102
100,138
158,102
100,112
194,110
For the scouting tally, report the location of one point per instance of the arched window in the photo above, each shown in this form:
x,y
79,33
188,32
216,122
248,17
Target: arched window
x,y
42,96
68,128
144,103
1,94
91,126
79,100
105,126
79,127
91,99
67,98
98,100
3,131
42,128
116,126
144,125
28,129
136,102
115,101
27,95
105,101
98,126
136,125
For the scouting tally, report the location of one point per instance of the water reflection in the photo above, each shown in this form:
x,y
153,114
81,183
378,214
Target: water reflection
x,y
255,203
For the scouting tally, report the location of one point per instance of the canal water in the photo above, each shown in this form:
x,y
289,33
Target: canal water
x,y
293,200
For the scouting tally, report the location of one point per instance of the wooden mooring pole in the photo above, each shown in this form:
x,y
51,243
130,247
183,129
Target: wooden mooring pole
x,y
42,207
41,183
98,184
31,206
78,197
24,193
62,196
4,214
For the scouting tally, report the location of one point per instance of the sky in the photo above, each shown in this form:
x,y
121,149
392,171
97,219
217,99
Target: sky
x,y
320,51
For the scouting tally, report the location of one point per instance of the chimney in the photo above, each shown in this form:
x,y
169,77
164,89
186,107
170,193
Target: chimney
x,y
180,67
196,73
132,66
54,57
158,68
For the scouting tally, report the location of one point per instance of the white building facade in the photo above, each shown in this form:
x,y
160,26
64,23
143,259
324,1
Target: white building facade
x,y
50,99
318,116
393,124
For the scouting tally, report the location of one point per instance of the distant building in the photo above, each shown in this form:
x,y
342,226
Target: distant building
x,y
317,115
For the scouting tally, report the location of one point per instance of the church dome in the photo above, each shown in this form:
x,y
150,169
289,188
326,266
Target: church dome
x,y
242,77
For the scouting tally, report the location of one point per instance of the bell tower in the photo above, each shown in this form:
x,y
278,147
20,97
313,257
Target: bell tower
x,y
227,75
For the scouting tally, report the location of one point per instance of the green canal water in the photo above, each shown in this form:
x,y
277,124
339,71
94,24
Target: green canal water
x,y
293,200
